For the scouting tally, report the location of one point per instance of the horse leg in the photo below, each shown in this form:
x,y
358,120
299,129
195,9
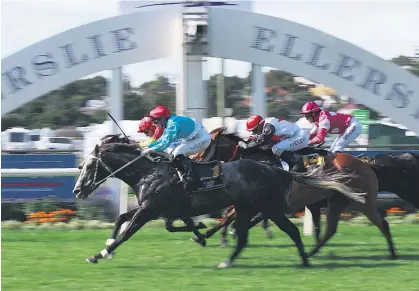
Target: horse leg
x,y
255,220
233,230
229,218
336,204
265,226
282,221
315,213
243,217
118,223
187,228
223,225
223,235
141,217
200,238
374,216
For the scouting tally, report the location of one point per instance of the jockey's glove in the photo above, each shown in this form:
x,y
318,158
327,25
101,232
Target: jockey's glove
x,y
146,151
242,144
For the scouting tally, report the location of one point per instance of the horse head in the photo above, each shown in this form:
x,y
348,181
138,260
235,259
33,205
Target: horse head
x,y
224,147
116,160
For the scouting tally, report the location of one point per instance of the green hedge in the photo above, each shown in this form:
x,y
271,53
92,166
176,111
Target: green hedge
x,y
97,224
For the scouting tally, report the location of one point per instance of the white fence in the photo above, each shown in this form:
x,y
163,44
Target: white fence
x,y
59,172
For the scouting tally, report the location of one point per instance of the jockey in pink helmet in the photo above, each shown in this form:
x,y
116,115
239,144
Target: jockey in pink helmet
x,y
347,126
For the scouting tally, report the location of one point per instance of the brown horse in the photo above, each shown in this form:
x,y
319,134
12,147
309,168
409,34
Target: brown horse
x,y
358,175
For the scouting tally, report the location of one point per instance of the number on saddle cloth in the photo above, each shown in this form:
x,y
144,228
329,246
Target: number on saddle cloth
x,y
313,160
206,176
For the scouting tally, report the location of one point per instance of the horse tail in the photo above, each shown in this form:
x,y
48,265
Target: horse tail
x,y
331,180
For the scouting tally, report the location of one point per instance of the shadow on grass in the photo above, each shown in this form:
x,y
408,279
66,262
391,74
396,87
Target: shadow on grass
x,y
238,265
291,245
404,250
383,257
331,265
141,267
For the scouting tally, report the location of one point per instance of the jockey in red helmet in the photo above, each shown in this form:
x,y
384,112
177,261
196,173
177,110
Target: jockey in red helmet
x,y
182,136
147,127
325,122
285,138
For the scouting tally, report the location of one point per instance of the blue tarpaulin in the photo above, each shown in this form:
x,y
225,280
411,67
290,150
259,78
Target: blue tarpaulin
x,y
37,187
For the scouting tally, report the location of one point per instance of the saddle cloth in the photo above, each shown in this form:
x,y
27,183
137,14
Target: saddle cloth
x,y
205,176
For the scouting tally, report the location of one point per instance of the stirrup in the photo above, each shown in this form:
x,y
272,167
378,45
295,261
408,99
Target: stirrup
x,y
182,177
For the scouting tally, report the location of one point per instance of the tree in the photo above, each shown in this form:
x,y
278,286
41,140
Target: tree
x,y
241,111
401,60
279,110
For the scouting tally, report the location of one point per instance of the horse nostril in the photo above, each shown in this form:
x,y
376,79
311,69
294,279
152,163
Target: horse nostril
x,y
76,191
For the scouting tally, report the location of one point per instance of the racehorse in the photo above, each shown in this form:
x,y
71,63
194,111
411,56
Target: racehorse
x,y
396,173
248,185
225,146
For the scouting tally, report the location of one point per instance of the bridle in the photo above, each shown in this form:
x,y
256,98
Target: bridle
x,y
236,149
99,160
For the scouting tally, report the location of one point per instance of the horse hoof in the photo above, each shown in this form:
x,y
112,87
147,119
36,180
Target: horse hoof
x,y
393,257
224,265
269,235
111,255
91,260
201,225
311,254
200,241
223,244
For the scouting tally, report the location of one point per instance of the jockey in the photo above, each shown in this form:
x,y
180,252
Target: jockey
x,y
182,136
147,127
286,137
330,122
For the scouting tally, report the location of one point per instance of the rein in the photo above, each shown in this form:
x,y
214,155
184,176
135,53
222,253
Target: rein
x,y
112,174
236,149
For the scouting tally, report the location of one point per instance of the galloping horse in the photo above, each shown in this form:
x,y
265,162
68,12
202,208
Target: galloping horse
x,y
225,146
248,185
396,173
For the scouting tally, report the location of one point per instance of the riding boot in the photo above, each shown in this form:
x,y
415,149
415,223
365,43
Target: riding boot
x,y
286,157
298,163
295,162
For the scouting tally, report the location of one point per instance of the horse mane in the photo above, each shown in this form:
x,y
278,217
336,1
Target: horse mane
x,y
120,147
216,132
405,159
112,138
131,148
221,131
234,137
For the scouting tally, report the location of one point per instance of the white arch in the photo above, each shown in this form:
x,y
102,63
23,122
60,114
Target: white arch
x,y
317,56
233,34
87,49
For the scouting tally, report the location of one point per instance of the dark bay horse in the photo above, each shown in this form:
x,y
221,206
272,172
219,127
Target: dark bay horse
x,y
396,173
225,146
249,185
399,174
